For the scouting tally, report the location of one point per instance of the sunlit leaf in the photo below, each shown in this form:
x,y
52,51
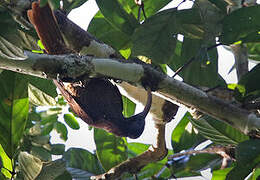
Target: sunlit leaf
x,y
14,107
5,163
220,174
128,107
71,121
111,150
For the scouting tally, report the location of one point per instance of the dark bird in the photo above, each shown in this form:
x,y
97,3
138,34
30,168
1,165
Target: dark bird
x,y
99,103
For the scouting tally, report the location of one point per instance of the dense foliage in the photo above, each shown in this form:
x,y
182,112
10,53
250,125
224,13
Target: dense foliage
x,y
24,127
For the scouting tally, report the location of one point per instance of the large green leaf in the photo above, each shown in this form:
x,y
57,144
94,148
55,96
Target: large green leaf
x,y
117,16
248,157
241,25
14,107
183,139
156,38
83,159
111,150
218,131
203,70
104,31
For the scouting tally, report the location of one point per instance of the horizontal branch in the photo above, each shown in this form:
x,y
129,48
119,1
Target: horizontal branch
x,y
72,67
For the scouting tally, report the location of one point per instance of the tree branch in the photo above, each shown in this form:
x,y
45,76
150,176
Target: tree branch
x,y
133,165
73,67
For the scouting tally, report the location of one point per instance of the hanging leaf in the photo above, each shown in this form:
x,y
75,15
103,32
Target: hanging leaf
x,y
71,121
183,139
111,150
128,107
14,107
62,130
83,160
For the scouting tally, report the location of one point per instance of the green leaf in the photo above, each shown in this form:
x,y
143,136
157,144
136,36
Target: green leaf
x,y
57,149
41,153
62,130
5,162
218,131
250,85
128,107
135,149
71,121
150,7
31,166
256,174
241,23
182,138
111,150
52,169
206,73
104,31
47,129
39,98
65,176
10,51
15,34
179,129
221,4
220,174
83,159
69,5
253,51
44,85
117,16
149,41
14,107
248,157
